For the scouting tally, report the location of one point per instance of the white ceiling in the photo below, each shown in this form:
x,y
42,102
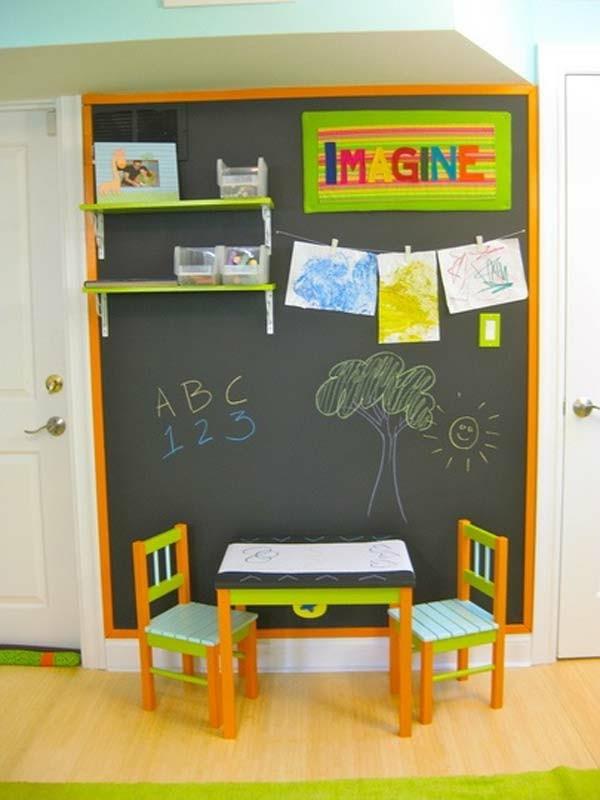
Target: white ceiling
x,y
403,57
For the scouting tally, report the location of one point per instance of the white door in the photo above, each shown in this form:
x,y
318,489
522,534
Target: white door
x,y
579,605
38,585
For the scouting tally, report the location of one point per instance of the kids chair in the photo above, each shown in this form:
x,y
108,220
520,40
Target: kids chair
x,y
187,628
458,624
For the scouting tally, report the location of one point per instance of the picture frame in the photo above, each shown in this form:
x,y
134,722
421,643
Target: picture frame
x,y
135,172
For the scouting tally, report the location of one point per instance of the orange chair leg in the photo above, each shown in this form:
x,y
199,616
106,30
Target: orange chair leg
x,y
498,673
146,677
188,664
394,666
462,662
214,686
426,704
250,667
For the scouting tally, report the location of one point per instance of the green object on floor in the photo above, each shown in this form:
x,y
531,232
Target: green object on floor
x,y
558,784
39,657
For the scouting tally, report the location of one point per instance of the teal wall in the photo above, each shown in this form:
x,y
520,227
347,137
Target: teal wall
x,y
509,30
26,23
567,21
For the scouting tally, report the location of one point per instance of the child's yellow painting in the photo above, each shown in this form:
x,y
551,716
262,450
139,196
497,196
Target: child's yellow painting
x,y
408,298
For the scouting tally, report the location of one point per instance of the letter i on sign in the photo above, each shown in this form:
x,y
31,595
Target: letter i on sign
x,y
330,163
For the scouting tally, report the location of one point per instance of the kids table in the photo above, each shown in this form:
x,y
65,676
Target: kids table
x,y
309,571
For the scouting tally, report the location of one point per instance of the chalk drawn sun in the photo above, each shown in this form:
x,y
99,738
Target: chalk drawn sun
x,y
463,438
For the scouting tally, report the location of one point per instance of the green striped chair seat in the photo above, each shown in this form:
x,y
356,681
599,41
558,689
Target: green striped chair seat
x,y
196,623
447,619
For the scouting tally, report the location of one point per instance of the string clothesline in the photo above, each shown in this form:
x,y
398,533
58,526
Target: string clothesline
x,y
478,239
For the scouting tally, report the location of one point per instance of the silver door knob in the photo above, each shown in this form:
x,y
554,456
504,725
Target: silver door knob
x,y
583,406
55,427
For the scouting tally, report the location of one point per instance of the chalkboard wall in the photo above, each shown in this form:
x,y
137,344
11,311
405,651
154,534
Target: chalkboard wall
x,y
274,464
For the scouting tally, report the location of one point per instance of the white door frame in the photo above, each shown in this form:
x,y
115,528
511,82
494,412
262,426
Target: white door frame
x,y
77,388
555,63
70,141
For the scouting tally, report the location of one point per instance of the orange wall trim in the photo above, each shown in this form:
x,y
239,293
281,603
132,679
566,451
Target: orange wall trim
x,y
526,90
532,362
290,92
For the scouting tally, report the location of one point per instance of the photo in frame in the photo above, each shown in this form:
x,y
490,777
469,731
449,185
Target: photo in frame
x,y
136,172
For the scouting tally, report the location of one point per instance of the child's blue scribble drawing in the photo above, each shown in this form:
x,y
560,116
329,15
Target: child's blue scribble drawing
x,y
344,280
483,275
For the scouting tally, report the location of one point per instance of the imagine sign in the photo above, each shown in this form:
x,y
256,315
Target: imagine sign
x,y
407,160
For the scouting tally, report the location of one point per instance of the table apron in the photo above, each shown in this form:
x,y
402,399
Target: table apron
x,y
360,596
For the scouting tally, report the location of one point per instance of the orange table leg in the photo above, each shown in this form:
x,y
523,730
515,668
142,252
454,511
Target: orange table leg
x,y
251,673
405,661
226,648
188,664
462,662
393,658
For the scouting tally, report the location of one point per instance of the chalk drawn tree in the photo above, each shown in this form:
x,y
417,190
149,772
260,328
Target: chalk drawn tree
x,y
389,396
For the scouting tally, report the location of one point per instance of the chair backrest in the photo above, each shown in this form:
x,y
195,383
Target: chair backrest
x,y
482,564
154,569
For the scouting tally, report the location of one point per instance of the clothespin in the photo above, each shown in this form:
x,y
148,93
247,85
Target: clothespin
x,y
479,243
334,246
407,251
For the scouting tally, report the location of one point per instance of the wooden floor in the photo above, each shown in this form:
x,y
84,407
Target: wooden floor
x,y
83,725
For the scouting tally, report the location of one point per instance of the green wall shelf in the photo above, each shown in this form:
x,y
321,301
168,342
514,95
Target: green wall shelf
x,y
143,287
209,204
101,289
263,204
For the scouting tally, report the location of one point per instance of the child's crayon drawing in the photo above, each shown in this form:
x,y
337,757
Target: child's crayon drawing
x,y
328,280
481,275
408,298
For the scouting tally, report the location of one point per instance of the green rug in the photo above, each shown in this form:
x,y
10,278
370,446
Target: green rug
x,y
34,656
559,784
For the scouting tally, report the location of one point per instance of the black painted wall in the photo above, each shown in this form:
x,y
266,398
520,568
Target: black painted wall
x,y
299,471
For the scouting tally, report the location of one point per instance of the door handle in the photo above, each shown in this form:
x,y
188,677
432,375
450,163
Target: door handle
x,y
55,426
583,406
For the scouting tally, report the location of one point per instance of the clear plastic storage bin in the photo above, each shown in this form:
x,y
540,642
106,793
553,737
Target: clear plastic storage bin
x,y
246,265
242,181
197,265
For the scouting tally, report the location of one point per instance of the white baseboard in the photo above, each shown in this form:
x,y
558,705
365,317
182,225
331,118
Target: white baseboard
x,y
320,655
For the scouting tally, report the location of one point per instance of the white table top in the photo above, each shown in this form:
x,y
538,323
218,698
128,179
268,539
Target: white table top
x,y
340,557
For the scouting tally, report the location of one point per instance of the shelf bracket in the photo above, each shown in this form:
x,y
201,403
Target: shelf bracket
x,y
266,215
102,311
99,226
270,316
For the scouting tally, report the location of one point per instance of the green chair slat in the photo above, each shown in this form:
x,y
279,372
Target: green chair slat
x,y
482,585
158,590
196,622
480,535
161,540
